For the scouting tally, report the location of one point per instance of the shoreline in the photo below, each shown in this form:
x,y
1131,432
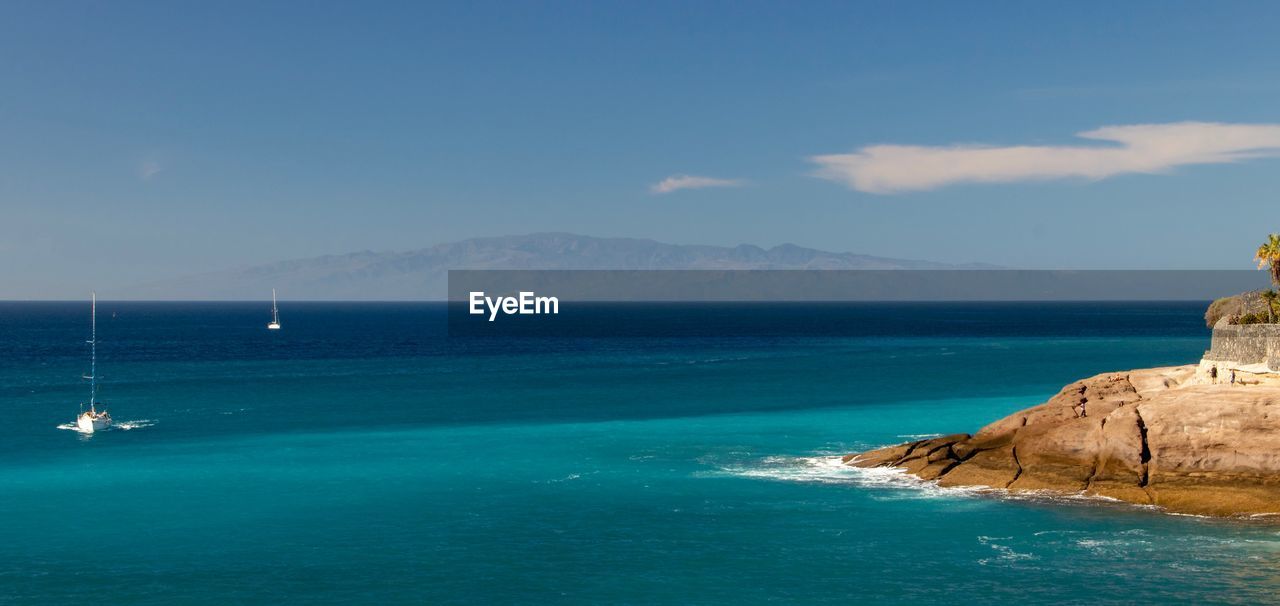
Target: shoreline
x,y
1157,437
1054,497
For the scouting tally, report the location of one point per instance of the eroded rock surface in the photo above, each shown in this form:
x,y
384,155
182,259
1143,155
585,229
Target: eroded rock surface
x,y
1146,436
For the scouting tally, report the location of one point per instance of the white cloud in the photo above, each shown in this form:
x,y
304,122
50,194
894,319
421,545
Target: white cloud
x,y
148,169
679,182
1139,148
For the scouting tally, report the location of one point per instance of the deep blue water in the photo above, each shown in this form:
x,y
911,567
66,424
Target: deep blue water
x,y
360,455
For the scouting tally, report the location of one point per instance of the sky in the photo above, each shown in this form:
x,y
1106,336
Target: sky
x,y
146,140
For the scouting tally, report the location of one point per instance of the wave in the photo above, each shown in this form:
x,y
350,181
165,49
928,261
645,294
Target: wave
x,y
831,469
704,360
1004,553
1029,552
897,484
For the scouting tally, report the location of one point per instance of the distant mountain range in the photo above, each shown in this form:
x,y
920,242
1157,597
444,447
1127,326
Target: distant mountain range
x,y
422,274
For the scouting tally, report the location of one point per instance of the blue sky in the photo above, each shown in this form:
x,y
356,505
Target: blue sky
x,y
145,140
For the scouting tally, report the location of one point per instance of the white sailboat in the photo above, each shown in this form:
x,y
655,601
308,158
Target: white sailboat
x,y
275,313
92,419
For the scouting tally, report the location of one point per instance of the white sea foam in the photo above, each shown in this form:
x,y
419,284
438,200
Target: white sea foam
x,y
827,469
569,478
918,436
122,426
1004,553
831,469
1110,546
135,424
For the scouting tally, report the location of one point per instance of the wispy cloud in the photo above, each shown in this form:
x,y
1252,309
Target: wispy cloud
x,y
1138,148
148,169
679,182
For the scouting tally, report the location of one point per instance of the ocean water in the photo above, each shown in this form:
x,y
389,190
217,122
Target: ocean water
x,y
360,455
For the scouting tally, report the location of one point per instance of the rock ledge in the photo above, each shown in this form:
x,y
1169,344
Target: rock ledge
x,y
1153,436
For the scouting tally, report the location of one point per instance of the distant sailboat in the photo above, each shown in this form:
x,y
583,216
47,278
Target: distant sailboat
x,y
275,313
92,419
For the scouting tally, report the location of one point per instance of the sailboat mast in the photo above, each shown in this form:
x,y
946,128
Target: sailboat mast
x,y
275,312
93,352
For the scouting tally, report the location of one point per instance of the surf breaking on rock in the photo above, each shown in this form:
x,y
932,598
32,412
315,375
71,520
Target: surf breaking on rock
x,y
1158,436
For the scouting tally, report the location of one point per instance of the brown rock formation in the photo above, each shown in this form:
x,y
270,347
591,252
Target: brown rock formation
x,y
1146,436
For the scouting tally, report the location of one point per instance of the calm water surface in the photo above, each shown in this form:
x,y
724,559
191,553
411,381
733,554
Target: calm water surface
x,y
360,455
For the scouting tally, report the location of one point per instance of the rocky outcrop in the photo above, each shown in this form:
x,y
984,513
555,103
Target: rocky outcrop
x,y
1225,308
1153,437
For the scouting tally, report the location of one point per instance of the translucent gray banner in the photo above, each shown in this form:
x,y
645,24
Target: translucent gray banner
x,y
855,285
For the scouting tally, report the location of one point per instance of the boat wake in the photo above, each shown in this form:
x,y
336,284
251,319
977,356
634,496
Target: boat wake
x,y
122,426
134,424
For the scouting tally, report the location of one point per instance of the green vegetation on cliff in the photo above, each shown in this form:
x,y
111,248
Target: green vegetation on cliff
x,y
1255,307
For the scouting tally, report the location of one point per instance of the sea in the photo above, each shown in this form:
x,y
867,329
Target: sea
x,y
364,454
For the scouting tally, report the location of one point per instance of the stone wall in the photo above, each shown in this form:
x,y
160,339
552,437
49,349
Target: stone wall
x,y
1247,344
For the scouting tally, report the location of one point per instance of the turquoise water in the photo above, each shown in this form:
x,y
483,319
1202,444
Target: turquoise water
x,y
359,456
